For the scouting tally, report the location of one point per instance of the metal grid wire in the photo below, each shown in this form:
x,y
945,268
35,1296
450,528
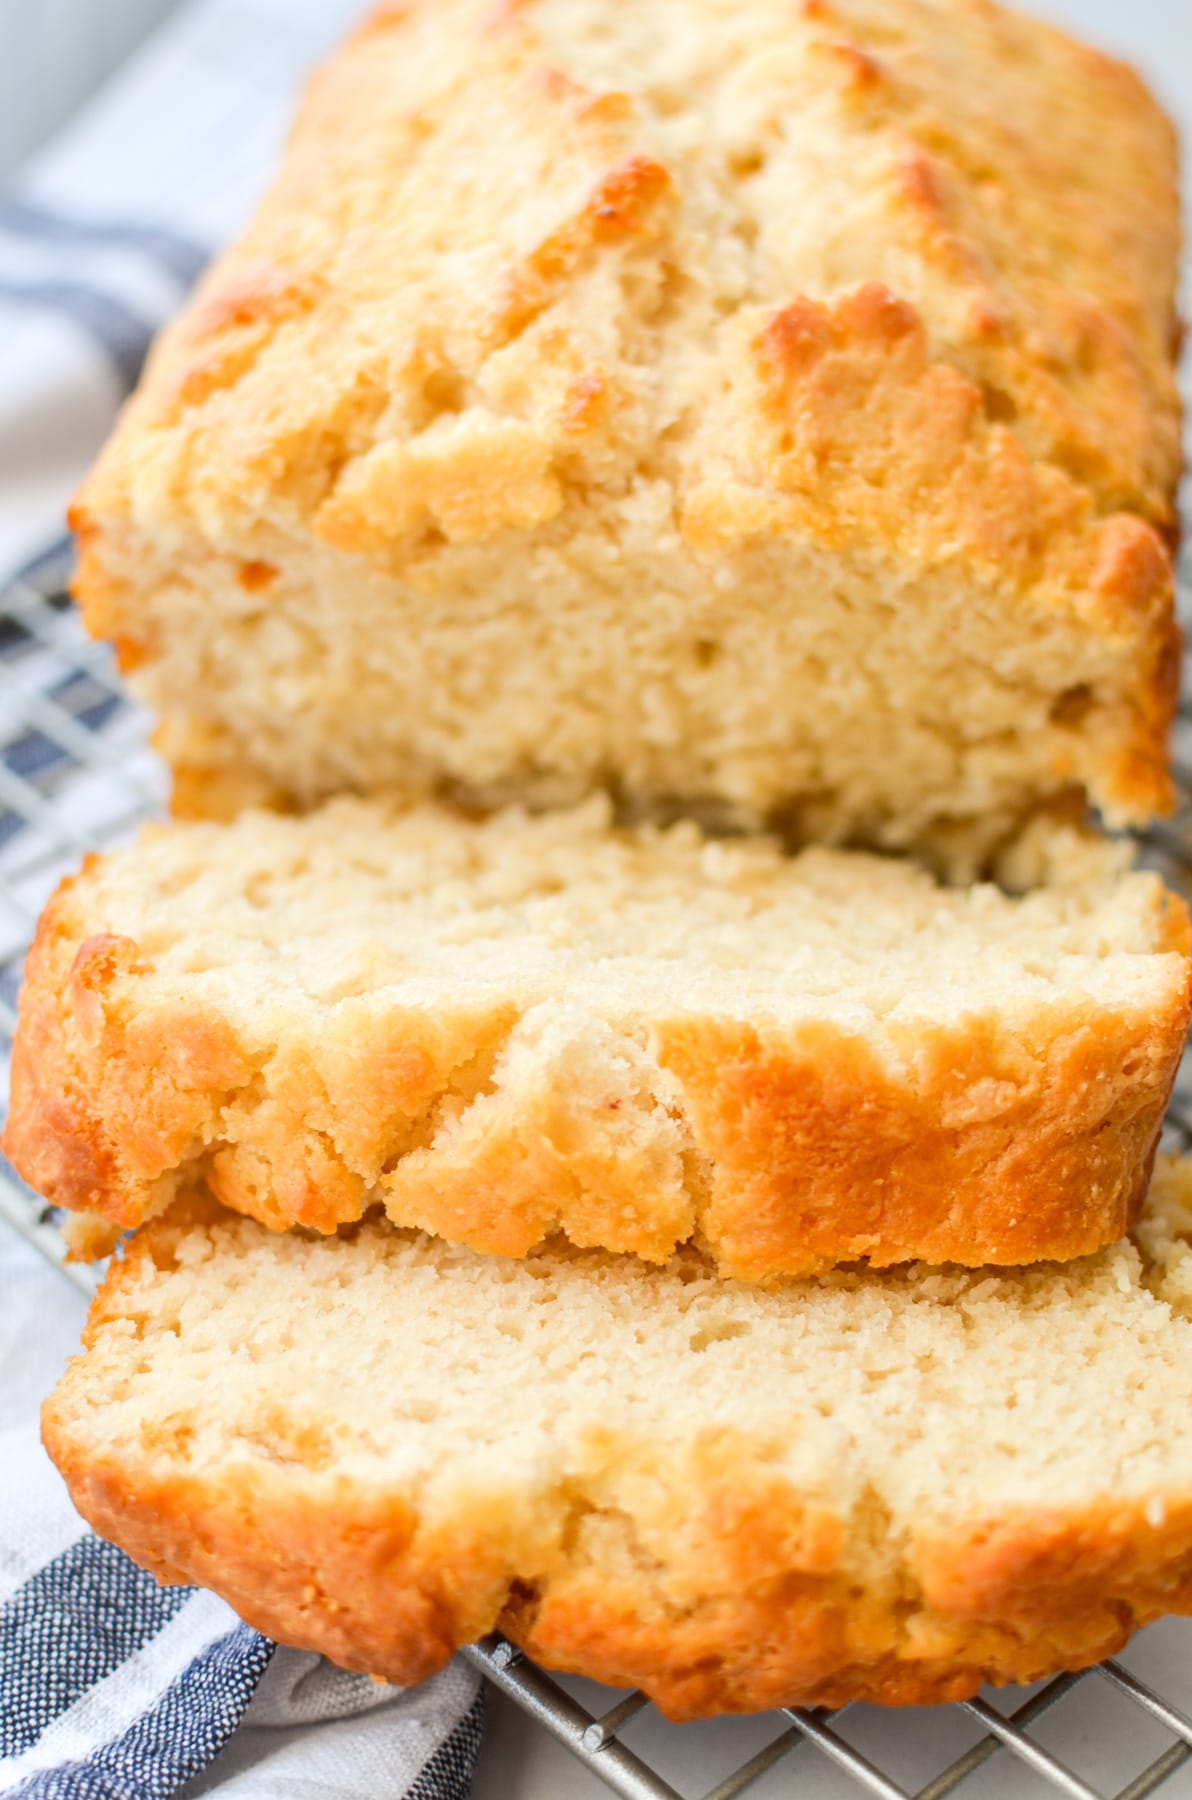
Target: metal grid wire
x,y
76,775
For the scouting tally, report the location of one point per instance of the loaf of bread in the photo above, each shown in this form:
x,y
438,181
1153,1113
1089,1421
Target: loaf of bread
x,y
748,406
872,1486
503,1029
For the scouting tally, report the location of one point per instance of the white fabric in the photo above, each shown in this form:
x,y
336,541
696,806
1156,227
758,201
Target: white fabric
x,y
309,1736
183,139
40,1320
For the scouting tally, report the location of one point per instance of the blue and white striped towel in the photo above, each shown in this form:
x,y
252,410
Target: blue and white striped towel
x,y
109,226
110,1687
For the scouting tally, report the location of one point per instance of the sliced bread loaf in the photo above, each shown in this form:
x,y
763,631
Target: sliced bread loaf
x,y
744,403
885,1486
500,1030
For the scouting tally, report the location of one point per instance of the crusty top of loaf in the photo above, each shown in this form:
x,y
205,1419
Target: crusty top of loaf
x,y
896,267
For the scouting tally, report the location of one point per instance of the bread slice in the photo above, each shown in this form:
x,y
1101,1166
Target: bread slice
x,y
888,1487
744,404
503,1029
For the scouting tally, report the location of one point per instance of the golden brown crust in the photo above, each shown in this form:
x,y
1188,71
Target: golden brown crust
x,y
1006,1149
1067,344
355,1584
811,1641
713,1583
632,345
50,1131
71,1147
1001,1138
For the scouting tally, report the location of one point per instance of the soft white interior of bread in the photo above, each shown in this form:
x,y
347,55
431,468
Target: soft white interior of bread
x,y
281,913
951,1394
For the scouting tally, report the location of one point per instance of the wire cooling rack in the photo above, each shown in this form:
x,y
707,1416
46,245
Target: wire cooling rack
x,y
76,774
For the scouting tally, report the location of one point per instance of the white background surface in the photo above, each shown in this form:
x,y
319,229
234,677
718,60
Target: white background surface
x,y
52,53
49,49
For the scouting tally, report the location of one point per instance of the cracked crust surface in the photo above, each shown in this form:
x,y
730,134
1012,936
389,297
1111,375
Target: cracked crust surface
x,y
641,1038
886,1487
774,412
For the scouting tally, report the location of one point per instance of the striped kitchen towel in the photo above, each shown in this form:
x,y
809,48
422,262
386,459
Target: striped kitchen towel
x,y
112,1688
105,231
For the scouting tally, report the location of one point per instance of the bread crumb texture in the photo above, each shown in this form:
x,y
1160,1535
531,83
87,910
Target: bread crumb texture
x,y
747,405
886,1486
639,1038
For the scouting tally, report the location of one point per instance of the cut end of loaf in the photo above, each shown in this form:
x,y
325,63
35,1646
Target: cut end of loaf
x,y
500,1030
720,462
889,1487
